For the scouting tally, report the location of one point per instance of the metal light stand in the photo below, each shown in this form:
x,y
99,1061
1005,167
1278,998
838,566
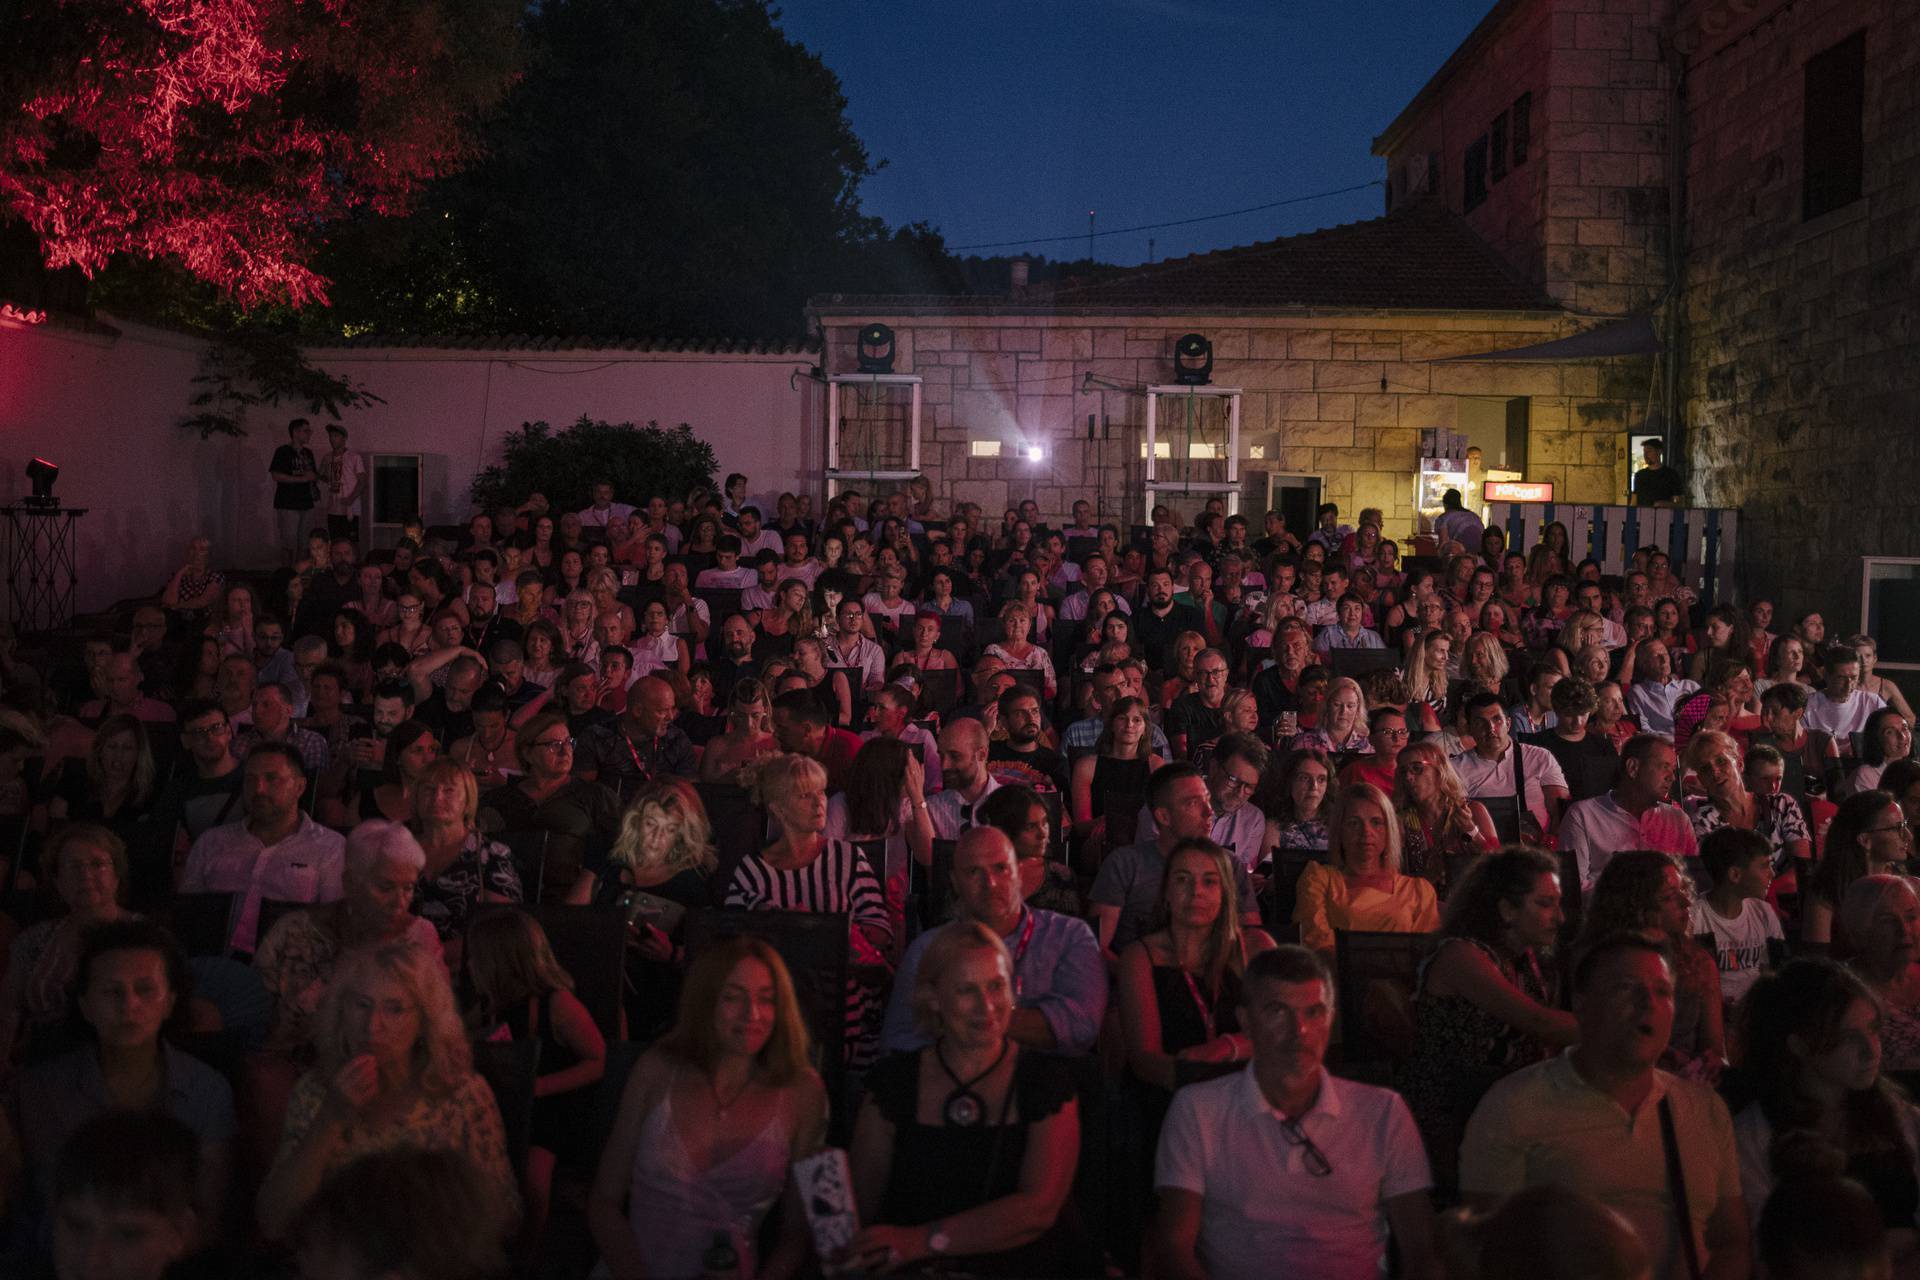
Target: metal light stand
x,y
42,565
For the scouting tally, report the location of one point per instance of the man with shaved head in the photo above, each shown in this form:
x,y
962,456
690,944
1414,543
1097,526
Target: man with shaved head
x,y
644,743
1059,978
963,774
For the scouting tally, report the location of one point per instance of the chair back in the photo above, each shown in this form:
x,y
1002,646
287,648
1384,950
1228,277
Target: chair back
x,y
1375,975
510,1067
722,603
1284,881
739,826
528,850
590,942
202,922
814,946
1356,663
936,885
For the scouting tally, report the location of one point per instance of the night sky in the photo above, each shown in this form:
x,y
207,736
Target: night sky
x,y
1004,120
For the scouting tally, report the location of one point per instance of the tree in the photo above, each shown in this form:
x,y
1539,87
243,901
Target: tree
x,y
638,461
230,136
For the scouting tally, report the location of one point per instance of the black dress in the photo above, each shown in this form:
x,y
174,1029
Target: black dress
x,y
939,1170
562,1122
653,986
1119,792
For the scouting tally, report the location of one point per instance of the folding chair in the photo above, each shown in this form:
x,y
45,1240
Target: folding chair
x,y
1284,881
739,828
857,692
956,637
510,1068
1375,975
722,603
936,885
590,943
1357,663
1035,681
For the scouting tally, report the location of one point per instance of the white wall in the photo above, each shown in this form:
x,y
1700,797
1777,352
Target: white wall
x,y
103,405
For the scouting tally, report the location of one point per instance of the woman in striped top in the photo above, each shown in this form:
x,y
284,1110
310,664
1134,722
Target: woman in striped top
x,y
805,871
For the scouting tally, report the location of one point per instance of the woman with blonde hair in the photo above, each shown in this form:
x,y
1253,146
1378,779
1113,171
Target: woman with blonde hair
x,y
393,1070
966,1149
1428,681
520,992
1483,668
1343,722
1017,650
728,1091
748,736
464,868
660,867
1442,831
1361,886
1179,986
803,870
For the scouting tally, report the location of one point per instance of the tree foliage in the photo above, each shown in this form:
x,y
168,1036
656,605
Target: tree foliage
x,y
248,368
563,465
229,136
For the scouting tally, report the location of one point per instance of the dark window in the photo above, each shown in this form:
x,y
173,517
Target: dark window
x,y
1433,172
1833,134
1474,171
1497,144
1522,127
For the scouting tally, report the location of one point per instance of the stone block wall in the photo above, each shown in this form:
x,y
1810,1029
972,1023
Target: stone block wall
x,y
1341,397
1802,368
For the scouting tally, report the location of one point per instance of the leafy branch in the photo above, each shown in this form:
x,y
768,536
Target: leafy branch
x,y
248,368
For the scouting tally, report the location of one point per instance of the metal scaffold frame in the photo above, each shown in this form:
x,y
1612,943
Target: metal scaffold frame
x,y
835,473
1230,488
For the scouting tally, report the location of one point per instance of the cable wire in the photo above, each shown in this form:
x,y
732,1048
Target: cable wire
x,y
1178,222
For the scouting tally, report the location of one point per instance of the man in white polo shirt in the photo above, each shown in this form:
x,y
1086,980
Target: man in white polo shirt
x,y
1516,781
1634,815
1282,1169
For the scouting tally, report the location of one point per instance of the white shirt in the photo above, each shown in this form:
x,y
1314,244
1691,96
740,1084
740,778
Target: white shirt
x,y
346,469
953,813
1263,1213
863,654
738,578
1841,720
1494,778
304,867
594,517
1739,947
1597,829
765,540
1074,607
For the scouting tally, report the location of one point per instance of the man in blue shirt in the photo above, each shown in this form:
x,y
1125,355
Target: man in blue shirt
x,y
1060,980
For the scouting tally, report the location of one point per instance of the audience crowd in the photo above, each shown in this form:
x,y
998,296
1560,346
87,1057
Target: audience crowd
x,y
757,892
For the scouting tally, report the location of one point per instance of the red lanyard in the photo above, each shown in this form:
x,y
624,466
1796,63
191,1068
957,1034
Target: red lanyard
x,y
643,771
1026,939
1206,1010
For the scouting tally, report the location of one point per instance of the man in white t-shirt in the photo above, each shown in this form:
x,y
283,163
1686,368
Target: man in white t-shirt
x,y
1281,1169
1840,707
1746,930
1489,772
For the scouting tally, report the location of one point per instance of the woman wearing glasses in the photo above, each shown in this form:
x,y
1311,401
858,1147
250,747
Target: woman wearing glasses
x,y
547,797
1868,837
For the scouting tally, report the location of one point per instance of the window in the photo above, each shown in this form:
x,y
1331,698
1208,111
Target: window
x,y
1833,130
1474,172
1497,145
1521,127
983,448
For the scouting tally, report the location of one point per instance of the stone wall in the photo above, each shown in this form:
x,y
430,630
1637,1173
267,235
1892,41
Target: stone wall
x,y
1314,401
1586,216
1802,371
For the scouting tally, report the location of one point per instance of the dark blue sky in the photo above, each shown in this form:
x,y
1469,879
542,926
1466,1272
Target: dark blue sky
x,y
1001,120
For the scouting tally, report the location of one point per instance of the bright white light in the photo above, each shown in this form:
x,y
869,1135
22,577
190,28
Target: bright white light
x,y
1035,453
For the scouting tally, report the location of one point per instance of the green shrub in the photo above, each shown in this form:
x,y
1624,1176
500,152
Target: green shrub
x,y
639,461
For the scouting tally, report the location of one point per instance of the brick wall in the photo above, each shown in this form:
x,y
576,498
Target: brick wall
x,y
1313,401
1803,365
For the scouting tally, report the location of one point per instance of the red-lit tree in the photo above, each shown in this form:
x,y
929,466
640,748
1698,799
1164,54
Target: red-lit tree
x,y
229,135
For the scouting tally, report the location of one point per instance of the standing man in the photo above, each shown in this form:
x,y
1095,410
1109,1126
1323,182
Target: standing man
x,y
1457,524
344,473
1060,985
1603,1119
1656,482
1634,815
295,488
1282,1169
276,851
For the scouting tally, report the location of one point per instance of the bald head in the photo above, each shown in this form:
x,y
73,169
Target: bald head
x,y
651,703
963,756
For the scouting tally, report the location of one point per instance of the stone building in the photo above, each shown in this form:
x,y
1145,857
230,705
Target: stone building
x,y
1734,172
1333,337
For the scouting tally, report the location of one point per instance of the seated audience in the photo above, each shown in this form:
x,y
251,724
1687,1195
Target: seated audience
x,y
966,1149
131,988
1881,913
1442,832
87,866
1588,758
1635,814
1361,885
1296,796
1603,1119
1061,982
124,1199
710,1121
1651,896
1869,836
1486,1001
1283,1167
462,867
1107,785
1747,798
1812,1033
392,1072
1734,917
548,797
1126,893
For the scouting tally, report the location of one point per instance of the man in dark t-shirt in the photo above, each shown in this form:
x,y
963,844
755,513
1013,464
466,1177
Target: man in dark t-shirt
x,y
295,485
1656,482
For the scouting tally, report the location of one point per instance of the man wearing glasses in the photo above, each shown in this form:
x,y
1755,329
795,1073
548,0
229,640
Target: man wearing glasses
x,y
1239,827
1282,1169
1195,719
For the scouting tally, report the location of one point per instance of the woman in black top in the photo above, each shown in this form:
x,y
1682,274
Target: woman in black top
x,y
114,786
966,1149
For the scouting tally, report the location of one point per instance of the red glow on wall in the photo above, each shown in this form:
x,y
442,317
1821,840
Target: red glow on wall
x,y
21,315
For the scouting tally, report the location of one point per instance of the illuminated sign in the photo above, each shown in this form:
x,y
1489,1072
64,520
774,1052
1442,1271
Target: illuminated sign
x,y
1519,491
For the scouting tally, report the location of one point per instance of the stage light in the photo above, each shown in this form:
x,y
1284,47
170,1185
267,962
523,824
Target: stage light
x,y
41,474
1192,360
876,349
1035,453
